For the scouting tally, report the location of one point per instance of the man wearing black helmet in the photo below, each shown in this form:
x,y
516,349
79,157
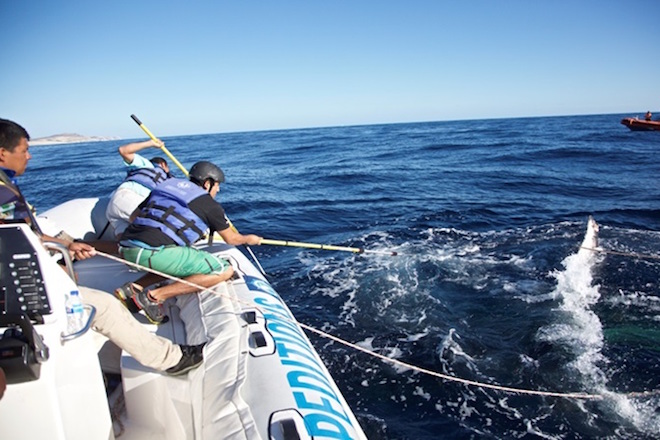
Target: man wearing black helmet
x,y
176,214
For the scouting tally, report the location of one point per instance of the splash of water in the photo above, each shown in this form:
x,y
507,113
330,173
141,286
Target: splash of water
x,y
580,330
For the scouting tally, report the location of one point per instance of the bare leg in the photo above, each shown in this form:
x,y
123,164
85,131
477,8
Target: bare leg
x,y
178,288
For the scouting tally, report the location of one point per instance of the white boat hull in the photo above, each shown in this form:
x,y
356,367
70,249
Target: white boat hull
x,y
261,377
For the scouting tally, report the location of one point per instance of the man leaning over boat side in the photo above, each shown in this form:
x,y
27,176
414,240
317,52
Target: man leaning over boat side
x,y
112,319
142,176
176,214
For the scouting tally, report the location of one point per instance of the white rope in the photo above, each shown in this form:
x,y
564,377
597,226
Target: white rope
x,y
625,254
321,333
451,378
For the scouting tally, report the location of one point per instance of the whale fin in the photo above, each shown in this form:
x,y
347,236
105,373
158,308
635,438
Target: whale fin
x,y
591,236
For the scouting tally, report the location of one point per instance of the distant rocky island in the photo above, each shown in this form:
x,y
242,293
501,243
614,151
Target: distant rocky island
x,y
69,138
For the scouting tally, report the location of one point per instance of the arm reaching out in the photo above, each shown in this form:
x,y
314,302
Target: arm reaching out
x,y
234,238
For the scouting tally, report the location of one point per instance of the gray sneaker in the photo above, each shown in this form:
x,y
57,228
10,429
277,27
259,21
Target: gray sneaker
x,y
125,295
152,309
191,357
135,298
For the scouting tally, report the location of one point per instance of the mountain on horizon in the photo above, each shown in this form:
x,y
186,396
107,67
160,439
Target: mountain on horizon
x,y
69,138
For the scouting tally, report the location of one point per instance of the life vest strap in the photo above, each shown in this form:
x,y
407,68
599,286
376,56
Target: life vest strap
x,y
163,219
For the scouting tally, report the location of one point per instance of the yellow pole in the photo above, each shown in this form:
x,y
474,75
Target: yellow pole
x,y
162,147
325,247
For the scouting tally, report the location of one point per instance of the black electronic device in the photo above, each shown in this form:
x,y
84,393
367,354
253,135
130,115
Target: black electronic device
x,y
22,351
22,287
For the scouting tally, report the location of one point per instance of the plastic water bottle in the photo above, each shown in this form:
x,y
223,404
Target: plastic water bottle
x,y
74,312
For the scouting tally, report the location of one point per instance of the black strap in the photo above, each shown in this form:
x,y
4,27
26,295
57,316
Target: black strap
x,y
103,231
13,188
162,219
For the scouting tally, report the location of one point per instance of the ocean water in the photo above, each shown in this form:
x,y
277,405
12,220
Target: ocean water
x,y
490,284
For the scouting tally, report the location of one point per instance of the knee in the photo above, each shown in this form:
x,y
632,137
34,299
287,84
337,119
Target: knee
x,y
224,276
229,272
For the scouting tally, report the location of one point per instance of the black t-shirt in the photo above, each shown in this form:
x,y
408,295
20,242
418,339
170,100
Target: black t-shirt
x,y
205,207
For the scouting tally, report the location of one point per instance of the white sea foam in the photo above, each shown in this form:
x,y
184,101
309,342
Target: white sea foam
x,y
580,328
450,349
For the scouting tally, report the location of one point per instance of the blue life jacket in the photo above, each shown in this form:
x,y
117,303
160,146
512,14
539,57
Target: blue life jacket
x,y
148,177
12,204
167,210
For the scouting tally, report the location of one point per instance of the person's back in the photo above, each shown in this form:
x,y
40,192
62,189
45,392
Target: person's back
x,y
141,177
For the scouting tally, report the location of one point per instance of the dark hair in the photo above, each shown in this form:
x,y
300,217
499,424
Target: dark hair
x,y
11,134
158,161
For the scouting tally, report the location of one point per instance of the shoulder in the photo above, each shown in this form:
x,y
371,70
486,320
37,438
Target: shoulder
x,y
206,203
210,211
139,162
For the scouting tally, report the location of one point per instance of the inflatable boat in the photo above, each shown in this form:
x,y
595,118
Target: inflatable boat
x,y
636,124
261,377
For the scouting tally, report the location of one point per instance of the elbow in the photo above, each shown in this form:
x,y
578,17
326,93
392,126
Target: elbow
x,y
123,151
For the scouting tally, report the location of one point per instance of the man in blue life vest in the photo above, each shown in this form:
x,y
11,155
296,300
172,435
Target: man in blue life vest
x,y
112,319
142,176
14,157
178,213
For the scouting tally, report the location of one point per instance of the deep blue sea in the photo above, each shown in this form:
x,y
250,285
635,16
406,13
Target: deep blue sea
x,y
488,217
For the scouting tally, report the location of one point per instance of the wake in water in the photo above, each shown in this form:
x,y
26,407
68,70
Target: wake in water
x,y
477,305
580,331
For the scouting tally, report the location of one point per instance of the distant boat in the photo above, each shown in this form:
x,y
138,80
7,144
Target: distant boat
x,y
636,124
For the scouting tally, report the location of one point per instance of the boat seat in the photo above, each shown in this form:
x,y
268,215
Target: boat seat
x,y
94,227
218,411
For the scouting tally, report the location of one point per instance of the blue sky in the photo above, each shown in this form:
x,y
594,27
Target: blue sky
x,y
217,66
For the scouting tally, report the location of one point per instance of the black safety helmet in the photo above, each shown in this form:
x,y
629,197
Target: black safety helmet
x,y
203,171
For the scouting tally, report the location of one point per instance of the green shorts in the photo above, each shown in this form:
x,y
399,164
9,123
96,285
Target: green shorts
x,y
178,261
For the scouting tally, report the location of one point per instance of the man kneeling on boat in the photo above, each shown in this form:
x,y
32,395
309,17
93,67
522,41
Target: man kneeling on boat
x,y
177,214
111,319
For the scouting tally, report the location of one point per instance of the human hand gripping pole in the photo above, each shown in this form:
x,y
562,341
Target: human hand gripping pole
x,y
162,147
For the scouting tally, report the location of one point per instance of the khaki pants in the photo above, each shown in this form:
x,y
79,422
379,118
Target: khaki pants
x,y
116,323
